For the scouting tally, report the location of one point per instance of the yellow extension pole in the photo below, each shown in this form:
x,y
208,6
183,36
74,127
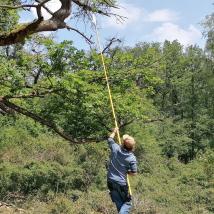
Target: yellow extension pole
x,y
109,92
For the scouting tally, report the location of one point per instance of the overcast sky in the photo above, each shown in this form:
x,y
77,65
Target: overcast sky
x,y
147,20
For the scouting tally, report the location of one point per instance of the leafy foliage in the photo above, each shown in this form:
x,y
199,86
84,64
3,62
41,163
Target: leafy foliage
x,y
163,95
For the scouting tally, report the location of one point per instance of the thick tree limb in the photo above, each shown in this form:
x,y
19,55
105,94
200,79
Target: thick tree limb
x,y
54,23
57,21
46,8
87,7
15,108
4,109
37,118
20,34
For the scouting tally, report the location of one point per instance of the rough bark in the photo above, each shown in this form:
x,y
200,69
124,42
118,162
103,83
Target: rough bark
x,y
54,23
19,34
57,21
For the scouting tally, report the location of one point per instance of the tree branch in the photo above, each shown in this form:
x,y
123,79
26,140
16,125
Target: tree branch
x,y
19,34
83,35
4,109
87,7
111,41
57,21
47,9
17,6
15,108
67,26
37,118
54,23
41,3
144,121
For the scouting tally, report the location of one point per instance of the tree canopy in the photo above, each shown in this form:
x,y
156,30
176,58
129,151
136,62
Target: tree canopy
x,y
52,93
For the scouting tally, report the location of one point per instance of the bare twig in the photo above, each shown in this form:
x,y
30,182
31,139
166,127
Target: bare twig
x,y
87,7
111,41
83,35
110,3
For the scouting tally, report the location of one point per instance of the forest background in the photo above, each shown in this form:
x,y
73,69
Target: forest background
x,y
55,116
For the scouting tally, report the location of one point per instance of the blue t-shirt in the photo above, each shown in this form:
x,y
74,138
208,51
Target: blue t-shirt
x,y
121,162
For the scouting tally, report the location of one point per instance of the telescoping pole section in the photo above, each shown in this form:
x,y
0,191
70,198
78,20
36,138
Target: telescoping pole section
x,y
109,89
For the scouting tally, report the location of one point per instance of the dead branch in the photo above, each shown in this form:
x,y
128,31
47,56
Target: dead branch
x,y
87,7
82,34
108,46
